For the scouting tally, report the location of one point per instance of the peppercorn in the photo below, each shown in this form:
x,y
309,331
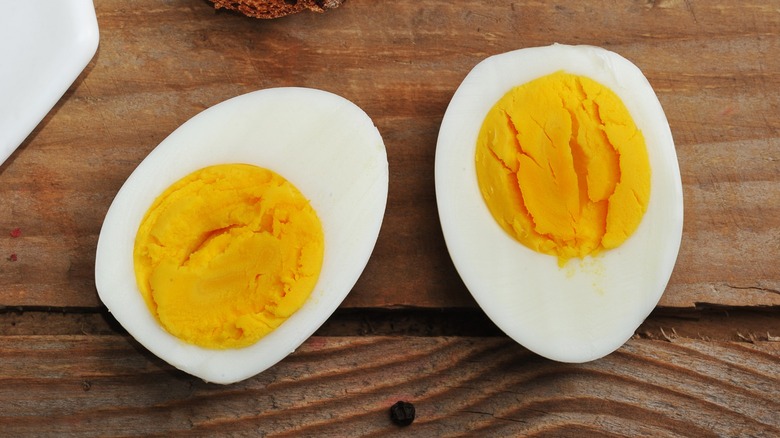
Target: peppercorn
x,y
402,413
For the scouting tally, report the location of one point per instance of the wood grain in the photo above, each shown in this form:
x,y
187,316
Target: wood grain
x,y
108,385
714,66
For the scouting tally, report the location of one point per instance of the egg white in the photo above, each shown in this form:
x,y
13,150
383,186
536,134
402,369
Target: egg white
x,y
323,144
591,306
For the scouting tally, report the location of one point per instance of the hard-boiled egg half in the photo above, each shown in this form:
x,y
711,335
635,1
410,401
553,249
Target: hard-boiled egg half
x,y
242,232
560,197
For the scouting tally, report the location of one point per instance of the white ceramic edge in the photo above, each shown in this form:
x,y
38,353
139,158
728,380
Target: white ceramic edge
x,y
493,283
66,65
279,124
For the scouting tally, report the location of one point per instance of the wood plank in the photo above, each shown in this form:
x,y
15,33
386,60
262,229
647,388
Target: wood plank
x,y
713,64
106,385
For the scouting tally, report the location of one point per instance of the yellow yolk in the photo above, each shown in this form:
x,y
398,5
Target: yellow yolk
x,y
562,167
226,254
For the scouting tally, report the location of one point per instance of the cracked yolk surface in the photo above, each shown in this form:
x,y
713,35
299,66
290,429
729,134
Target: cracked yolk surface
x,y
562,167
226,254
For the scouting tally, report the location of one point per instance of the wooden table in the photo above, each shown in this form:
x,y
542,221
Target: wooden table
x,y
707,361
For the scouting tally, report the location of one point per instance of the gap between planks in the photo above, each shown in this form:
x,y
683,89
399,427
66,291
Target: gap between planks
x,y
704,323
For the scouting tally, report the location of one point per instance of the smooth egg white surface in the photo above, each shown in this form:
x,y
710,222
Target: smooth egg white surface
x,y
589,307
323,144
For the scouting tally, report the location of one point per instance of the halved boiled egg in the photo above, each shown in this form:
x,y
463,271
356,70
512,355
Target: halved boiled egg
x,y
560,197
242,232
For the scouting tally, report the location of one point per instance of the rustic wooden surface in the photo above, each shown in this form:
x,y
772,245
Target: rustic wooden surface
x,y
109,385
705,363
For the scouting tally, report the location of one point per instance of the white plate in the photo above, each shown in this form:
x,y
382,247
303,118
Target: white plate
x,y
44,46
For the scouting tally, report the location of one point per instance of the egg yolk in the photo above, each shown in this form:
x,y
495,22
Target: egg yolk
x,y
226,254
562,167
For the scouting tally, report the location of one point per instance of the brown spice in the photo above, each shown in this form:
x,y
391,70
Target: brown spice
x,y
275,8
